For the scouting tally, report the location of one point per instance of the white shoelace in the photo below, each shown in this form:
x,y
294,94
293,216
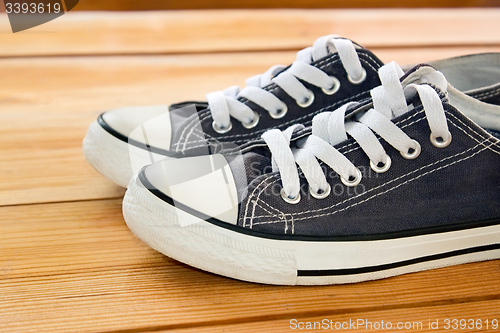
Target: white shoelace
x,y
224,104
330,129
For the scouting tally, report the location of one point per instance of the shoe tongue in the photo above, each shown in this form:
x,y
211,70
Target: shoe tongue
x,y
419,75
332,49
403,97
321,48
424,73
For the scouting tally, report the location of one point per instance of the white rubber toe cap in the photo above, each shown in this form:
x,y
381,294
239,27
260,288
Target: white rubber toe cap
x,y
203,183
145,124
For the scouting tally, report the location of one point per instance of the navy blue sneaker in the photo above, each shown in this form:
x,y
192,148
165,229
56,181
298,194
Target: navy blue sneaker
x,y
402,182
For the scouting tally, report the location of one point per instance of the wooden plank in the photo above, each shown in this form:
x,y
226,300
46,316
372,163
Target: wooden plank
x,y
419,319
80,33
79,261
46,105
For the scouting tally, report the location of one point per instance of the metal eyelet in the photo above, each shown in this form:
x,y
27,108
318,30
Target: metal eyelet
x,y
221,130
292,201
323,194
358,80
307,102
280,113
253,123
334,88
384,168
440,144
355,181
416,151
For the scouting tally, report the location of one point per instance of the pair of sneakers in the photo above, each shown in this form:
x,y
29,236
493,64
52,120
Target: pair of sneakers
x,y
335,169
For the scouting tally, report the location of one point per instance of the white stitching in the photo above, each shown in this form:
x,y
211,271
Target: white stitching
x,y
196,117
487,93
393,180
475,132
277,176
339,148
253,192
256,202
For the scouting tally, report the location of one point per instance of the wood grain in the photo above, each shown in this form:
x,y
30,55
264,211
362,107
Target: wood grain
x,y
81,33
80,261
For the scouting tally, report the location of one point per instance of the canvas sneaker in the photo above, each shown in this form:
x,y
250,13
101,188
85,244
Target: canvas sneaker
x,y
332,72
403,182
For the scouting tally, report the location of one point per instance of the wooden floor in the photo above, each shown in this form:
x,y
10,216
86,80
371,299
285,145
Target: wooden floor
x,y
68,263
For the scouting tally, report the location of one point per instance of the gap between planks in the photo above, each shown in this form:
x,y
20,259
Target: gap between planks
x,y
379,48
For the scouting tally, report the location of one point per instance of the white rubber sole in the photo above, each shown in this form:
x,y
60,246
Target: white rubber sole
x,y
110,156
223,251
